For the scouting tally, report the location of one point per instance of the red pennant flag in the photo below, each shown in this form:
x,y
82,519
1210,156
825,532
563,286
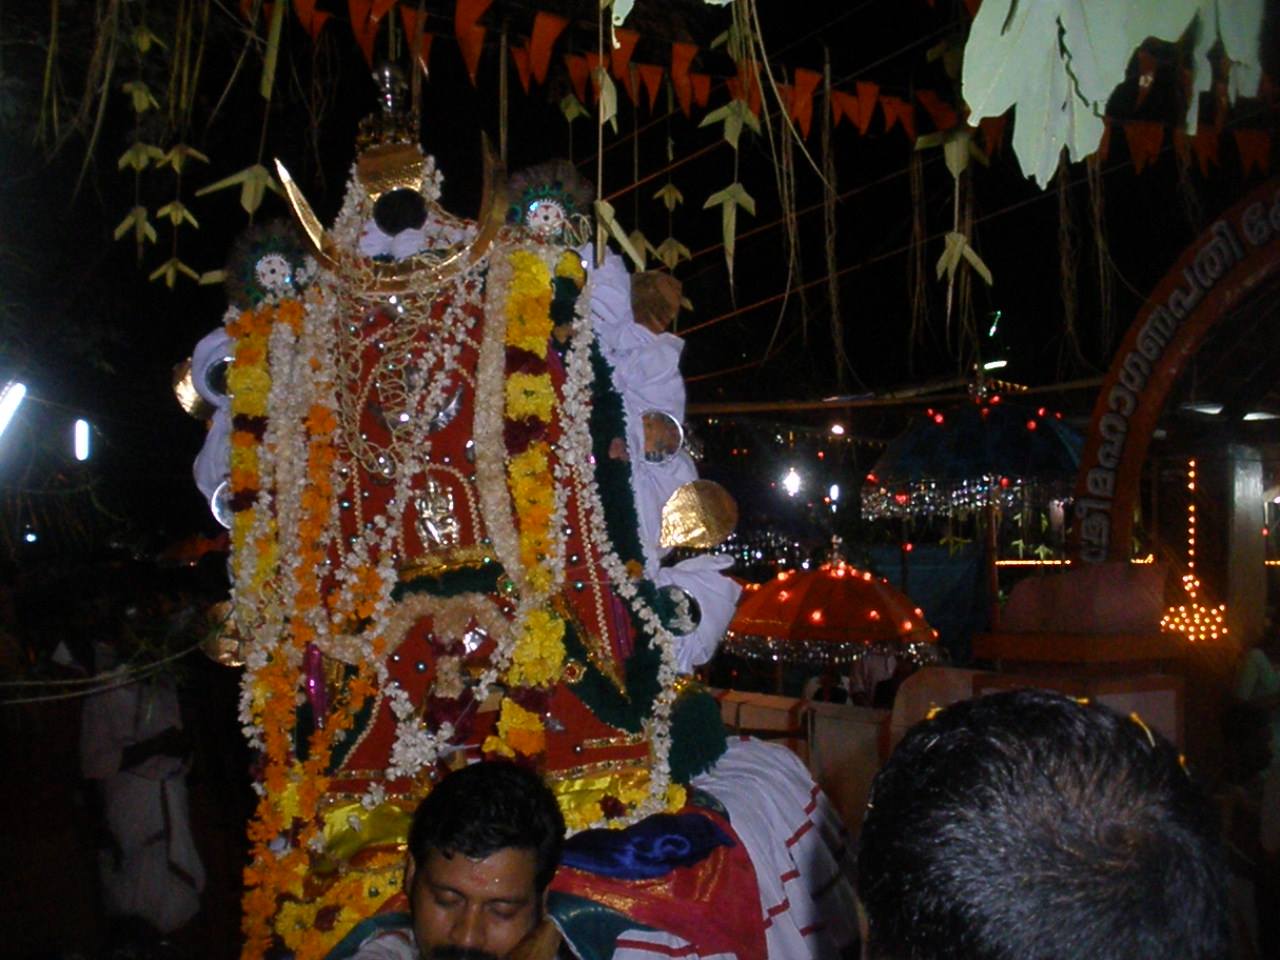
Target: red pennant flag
x,y
1181,144
806,82
940,112
1145,140
1255,149
843,105
520,56
547,28
577,65
868,94
620,59
701,88
1146,74
1104,145
897,110
651,77
470,34
993,133
682,55
312,20
1205,144
419,40
746,86
366,17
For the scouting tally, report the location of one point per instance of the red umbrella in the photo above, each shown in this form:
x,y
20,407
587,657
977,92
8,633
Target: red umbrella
x,y
828,616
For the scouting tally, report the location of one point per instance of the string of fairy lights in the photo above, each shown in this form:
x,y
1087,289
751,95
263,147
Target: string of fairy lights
x,y
1194,619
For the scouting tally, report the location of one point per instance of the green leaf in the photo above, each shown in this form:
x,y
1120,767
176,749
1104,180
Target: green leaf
x,y
956,151
729,200
137,221
734,194
670,197
605,214
572,108
670,252
642,245
138,156
212,277
178,155
140,93
177,213
144,39
957,247
169,271
977,263
253,181
608,99
733,115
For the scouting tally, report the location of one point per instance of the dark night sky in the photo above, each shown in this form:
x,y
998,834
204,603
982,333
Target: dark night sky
x,y
94,335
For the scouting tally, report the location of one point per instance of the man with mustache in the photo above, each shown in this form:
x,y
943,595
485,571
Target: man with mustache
x,y
483,847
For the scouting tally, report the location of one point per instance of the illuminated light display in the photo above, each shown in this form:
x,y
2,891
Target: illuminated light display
x,y
1193,619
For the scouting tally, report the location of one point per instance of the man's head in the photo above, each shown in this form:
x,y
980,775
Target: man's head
x,y
483,846
1023,825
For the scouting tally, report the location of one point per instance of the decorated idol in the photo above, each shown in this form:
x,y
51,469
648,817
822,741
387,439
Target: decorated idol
x,y
450,460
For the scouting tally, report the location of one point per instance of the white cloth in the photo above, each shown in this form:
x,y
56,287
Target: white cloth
x,y
797,844
158,874
703,578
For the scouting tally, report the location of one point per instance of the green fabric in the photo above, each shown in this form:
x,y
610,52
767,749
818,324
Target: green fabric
x,y
591,929
698,737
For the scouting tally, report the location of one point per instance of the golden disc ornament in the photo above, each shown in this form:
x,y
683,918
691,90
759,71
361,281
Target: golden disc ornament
x,y
184,389
699,514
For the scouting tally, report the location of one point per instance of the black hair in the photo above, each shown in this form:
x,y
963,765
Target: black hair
x,y
1027,826
487,807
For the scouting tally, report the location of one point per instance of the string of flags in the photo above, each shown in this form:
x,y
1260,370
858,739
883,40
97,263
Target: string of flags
x,y
534,56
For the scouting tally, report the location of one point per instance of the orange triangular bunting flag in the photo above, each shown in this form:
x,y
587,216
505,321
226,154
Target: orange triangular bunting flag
x,y
1255,149
940,112
547,28
520,57
842,105
1145,140
993,133
577,65
701,88
366,17
419,40
1205,144
806,82
312,21
620,60
651,77
470,34
897,110
868,94
682,55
